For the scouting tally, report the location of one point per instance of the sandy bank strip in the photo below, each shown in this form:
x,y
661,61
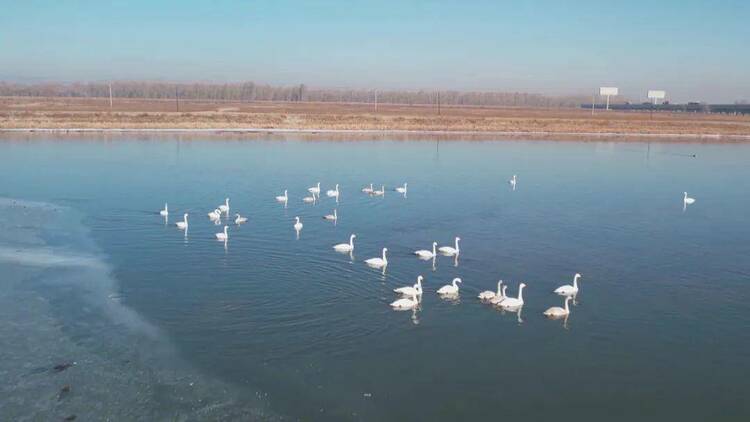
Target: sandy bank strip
x,y
378,132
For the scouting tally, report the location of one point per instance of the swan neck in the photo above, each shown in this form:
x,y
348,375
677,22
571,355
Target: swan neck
x,y
520,293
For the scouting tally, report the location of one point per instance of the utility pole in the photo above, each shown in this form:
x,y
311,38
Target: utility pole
x,y
110,97
177,98
593,103
438,102
376,100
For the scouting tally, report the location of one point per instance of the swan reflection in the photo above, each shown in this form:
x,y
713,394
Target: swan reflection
x,y
415,315
515,310
452,298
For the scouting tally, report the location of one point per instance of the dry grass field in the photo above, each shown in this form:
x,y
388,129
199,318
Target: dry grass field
x,y
95,113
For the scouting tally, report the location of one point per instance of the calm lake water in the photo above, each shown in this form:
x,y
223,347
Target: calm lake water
x,y
163,326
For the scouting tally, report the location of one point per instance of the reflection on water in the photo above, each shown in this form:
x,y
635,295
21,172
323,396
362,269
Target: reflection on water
x,y
312,330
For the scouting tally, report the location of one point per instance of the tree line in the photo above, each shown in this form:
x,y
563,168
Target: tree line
x,y
250,91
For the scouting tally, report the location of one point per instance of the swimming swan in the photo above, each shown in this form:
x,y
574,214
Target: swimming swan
x,y
489,294
688,200
367,189
416,289
165,211
401,189
557,312
283,198
297,225
514,302
239,219
378,262
214,215
310,198
425,254
568,290
406,303
332,217
223,236
346,247
315,190
225,208
333,193
512,182
450,289
501,297
182,225
449,251
380,192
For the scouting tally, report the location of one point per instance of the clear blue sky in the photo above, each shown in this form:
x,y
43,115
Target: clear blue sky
x,y
693,49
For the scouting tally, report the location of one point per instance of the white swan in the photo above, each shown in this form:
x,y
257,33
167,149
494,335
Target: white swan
x,y
501,297
332,217
310,198
214,215
512,182
346,247
568,290
225,208
688,200
334,193
315,190
514,302
450,289
378,262
284,197
182,225
425,254
416,289
557,312
165,211
239,219
380,192
223,235
367,189
401,189
298,224
405,303
447,250
489,294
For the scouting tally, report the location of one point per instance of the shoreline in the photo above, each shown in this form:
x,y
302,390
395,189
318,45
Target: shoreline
x,y
379,133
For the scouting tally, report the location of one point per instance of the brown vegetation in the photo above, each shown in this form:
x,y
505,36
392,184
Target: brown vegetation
x,y
250,91
68,113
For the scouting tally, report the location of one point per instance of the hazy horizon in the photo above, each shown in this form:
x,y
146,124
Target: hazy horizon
x,y
695,50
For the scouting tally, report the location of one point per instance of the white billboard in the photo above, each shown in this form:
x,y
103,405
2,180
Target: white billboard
x,y
606,91
656,94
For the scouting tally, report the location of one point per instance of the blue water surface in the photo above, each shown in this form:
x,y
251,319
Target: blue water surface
x,y
659,330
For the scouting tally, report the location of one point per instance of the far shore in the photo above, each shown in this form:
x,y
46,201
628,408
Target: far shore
x,y
408,134
359,121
